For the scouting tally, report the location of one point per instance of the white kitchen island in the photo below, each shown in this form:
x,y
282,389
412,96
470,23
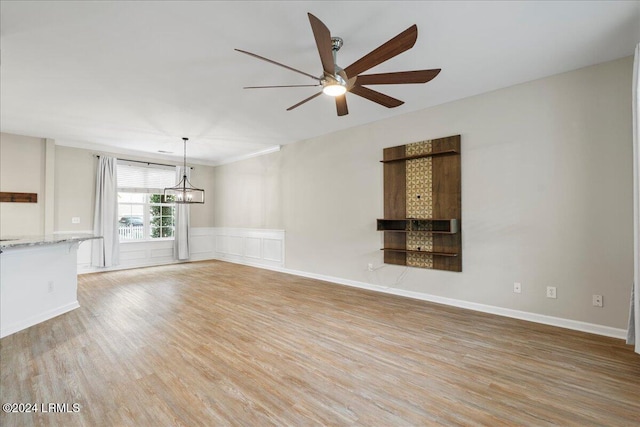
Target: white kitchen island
x,y
38,279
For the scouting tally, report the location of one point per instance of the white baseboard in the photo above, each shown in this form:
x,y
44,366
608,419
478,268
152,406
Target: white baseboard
x,y
265,249
500,311
34,320
255,247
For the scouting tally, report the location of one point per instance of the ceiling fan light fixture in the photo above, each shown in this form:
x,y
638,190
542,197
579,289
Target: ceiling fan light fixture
x,y
334,89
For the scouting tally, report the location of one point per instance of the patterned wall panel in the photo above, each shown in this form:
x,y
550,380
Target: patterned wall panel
x,y
420,260
419,201
417,241
419,175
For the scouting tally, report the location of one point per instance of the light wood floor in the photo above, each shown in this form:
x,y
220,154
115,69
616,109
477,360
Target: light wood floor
x,y
215,344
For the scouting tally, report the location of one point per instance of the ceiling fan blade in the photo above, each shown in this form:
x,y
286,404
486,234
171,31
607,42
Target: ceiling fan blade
x,y
341,105
323,42
277,63
400,43
376,96
419,76
304,100
268,87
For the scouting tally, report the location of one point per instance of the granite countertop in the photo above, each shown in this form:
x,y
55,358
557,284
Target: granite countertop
x,y
52,239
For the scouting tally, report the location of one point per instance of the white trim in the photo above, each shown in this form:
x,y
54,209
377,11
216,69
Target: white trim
x,y
49,184
235,245
165,157
208,235
500,311
206,243
269,150
34,320
143,156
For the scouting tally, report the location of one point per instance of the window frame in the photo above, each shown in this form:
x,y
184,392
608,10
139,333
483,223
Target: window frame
x,y
147,217
137,179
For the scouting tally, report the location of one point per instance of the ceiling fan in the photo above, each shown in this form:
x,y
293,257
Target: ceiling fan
x,y
336,81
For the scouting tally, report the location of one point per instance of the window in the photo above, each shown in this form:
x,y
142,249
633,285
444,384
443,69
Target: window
x,y
142,213
162,217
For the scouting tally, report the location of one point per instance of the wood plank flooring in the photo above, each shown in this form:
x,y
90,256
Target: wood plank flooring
x,y
219,344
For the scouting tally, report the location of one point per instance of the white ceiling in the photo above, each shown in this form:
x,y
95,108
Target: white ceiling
x,y
135,77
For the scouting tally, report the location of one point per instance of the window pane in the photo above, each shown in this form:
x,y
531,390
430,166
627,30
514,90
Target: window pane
x,y
131,216
135,209
162,218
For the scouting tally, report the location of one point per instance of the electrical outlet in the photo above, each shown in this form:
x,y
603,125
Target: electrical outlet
x,y
597,300
517,287
551,292
370,266
75,220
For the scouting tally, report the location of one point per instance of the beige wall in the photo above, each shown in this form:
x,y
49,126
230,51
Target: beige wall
x,y
546,196
22,170
75,189
202,215
247,194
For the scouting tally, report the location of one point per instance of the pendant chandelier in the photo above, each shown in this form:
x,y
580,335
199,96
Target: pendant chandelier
x,y
184,192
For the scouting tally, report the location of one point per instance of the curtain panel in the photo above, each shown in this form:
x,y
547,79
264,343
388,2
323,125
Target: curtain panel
x,y
633,333
105,252
182,222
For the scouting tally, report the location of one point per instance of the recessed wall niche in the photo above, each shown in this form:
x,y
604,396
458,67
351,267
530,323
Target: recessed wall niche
x,y
422,205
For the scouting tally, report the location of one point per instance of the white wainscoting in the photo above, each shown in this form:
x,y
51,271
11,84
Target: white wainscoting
x,y
250,246
258,247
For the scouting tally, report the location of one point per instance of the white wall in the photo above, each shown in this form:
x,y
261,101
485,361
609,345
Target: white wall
x,y
546,197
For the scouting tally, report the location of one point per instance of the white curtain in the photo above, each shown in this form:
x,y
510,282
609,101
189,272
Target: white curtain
x,y
106,251
633,333
181,237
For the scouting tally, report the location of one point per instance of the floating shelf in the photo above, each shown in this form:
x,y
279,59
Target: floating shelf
x,y
10,197
420,156
419,252
422,225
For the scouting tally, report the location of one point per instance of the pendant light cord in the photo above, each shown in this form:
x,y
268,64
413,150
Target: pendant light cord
x,y
184,170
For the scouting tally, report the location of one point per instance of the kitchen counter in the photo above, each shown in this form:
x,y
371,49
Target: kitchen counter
x,y
38,279
21,241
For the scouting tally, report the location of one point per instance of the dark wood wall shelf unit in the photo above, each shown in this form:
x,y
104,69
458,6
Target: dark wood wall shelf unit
x,y
422,205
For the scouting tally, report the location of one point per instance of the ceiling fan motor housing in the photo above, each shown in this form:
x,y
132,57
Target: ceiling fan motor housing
x,y
339,77
336,43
